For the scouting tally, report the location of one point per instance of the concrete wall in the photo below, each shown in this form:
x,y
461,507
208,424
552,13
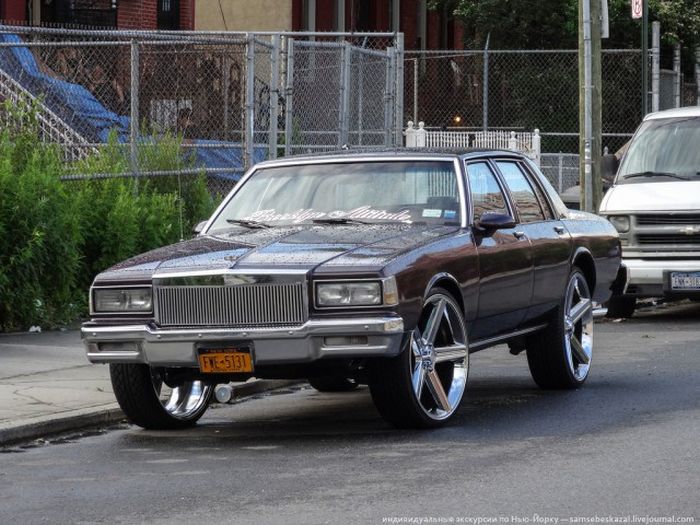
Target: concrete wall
x,y
243,15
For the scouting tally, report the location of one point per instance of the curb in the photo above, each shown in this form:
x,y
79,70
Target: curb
x,y
74,420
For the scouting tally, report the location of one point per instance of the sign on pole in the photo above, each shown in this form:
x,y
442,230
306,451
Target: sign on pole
x,y
637,8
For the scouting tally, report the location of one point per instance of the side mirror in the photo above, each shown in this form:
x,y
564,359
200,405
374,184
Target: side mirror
x,y
495,221
608,168
199,227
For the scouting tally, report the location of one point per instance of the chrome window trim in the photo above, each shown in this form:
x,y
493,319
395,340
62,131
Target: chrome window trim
x,y
119,286
345,160
497,175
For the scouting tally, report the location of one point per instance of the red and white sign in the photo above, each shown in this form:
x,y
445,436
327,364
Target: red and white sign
x,y
637,8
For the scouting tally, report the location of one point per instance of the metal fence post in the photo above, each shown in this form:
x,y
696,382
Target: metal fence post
x,y
344,117
134,110
288,96
560,173
677,75
399,90
485,85
249,139
655,64
415,90
697,76
388,95
274,94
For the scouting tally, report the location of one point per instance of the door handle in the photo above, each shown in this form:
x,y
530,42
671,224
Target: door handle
x,y
519,234
559,229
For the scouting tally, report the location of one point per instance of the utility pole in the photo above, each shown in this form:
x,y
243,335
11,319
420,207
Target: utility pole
x,y
590,102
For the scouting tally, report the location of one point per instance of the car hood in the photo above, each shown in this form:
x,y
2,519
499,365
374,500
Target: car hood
x,y
652,196
302,247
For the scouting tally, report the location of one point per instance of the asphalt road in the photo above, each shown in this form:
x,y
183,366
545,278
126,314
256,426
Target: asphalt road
x,y
625,445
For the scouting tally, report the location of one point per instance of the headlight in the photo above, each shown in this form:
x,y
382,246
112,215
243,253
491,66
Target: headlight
x,y
621,223
357,293
121,300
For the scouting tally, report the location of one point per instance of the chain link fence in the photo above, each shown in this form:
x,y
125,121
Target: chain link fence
x,y
174,104
521,90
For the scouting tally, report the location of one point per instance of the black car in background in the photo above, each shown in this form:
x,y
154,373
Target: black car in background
x,y
385,268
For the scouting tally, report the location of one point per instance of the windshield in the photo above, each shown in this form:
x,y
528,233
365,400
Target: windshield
x,y
372,192
663,150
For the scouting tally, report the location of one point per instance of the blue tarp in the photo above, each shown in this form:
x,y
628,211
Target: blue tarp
x,y
79,108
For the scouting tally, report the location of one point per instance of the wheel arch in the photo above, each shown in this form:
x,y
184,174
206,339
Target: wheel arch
x,y
584,260
448,282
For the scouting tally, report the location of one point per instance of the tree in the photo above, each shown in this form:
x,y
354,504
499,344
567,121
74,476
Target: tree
x,y
552,24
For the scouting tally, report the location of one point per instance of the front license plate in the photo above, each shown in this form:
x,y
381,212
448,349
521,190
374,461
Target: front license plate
x,y
225,361
685,280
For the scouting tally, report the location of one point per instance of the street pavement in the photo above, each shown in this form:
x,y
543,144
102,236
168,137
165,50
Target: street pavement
x,y
625,446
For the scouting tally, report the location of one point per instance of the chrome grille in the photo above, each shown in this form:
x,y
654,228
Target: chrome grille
x,y
248,305
676,239
668,218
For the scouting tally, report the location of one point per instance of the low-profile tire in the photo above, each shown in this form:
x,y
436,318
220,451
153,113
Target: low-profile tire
x,y
560,356
621,306
148,402
333,383
424,385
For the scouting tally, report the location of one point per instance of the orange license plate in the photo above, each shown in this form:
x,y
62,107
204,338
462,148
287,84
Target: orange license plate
x,y
225,361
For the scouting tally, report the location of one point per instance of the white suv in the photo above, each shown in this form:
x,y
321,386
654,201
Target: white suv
x,y
655,206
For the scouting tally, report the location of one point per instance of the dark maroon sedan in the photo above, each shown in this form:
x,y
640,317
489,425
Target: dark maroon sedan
x,y
384,268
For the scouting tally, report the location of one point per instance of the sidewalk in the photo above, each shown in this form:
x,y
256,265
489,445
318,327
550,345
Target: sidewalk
x,y
47,386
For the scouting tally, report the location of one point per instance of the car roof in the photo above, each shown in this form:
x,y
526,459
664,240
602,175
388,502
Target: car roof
x,y
691,111
395,153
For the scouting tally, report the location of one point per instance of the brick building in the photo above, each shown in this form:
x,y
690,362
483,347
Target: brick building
x,y
112,14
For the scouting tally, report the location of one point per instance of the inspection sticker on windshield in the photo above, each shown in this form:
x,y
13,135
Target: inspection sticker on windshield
x,y
685,280
435,214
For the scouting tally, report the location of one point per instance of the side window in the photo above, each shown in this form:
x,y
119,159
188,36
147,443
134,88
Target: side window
x,y
522,192
532,175
486,193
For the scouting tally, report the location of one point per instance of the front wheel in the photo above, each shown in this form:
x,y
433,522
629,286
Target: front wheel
x,y
425,384
560,355
621,306
146,398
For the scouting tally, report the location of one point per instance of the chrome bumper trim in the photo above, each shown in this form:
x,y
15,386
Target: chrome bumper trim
x,y
305,343
651,271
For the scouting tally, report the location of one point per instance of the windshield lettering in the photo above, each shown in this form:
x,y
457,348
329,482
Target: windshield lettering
x,y
305,215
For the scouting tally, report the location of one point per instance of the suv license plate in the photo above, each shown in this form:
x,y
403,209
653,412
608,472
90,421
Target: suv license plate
x,y
225,361
685,280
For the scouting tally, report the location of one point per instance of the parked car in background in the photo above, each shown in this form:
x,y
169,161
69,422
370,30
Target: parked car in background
x,y
655,206
385,268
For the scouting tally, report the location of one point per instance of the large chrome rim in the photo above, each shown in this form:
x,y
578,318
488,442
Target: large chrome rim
x,y
439,358
184,401
578,327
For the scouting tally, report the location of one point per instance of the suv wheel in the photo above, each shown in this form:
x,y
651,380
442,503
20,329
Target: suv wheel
x,y
425,384
148,401
621,306
560,355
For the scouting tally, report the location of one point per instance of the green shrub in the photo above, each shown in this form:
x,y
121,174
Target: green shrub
x,y
39,236
56,236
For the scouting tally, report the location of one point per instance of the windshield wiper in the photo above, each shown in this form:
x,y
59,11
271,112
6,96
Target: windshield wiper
x,y
654,174
338,220
248,224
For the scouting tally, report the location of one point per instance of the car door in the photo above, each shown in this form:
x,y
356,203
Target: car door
x,y
549,239
505,258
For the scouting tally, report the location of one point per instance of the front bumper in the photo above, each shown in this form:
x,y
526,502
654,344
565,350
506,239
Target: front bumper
x,y
650,277
145,343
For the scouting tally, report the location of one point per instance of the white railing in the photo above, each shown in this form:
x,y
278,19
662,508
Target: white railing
x,y
528,143
52,129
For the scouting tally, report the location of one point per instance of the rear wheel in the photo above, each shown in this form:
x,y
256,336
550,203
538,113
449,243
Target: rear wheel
x,y
148,401
425,384
333,383
621,306
560,356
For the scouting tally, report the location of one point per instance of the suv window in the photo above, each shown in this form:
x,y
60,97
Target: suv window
x,y
522,191
486,193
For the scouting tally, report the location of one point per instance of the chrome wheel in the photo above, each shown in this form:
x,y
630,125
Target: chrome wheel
x,y
578,326
183,402
439,358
